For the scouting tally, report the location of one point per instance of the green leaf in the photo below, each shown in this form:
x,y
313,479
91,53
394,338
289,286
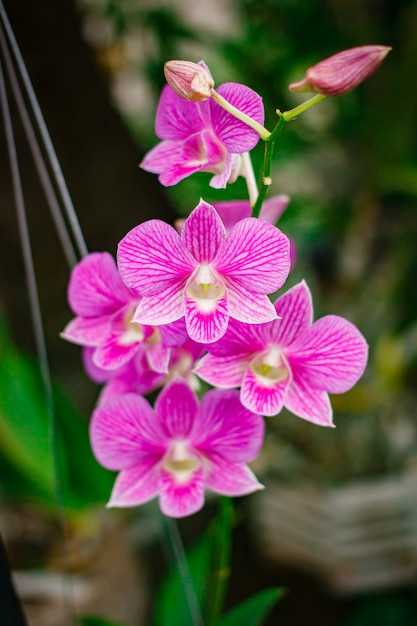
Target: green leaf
x,y
253,611
91,620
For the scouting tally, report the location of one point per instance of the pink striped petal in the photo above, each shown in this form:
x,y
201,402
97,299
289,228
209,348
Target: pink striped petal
x,y
206,318
255,255
124,430
174,334
203,232
135,485
309,403
177,119
95,287
332,354
178,499
236,135
243,339
248,307
111,354
152,257
158,356
229,171
273,208
87,331
232,211
162,308
231,479
162,157
222,372
262,395
226,428
177,407
295,308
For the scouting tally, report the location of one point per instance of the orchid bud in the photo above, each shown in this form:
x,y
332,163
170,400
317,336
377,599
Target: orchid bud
x,y
190,81
342,72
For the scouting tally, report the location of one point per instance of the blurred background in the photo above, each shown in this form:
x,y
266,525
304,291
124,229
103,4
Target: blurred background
x,y
337,524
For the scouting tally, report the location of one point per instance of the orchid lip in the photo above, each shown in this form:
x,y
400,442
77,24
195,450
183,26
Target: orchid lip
x,y
270,368
133,331
180,463
205,289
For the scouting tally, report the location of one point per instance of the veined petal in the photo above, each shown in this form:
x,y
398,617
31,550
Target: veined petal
x,y
232,211
203,232
177,408
158,356
177,119
87,331
332,354
95,287
174,334
237,136
226,428
223,372
136,485
206,315
152,257
248,307
296,311
307,402
110,354
229,171
125,430
178,499
162,308
231,479
273,208
263,394
241,338
162,157
255,255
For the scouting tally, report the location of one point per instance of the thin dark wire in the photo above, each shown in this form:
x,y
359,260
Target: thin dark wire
x,y
171,528
61,228
36,315
56,168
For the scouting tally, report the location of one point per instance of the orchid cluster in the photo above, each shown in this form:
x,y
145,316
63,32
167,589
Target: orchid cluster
x,y
199,302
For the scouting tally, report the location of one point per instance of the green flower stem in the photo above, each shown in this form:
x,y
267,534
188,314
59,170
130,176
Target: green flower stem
x,y
261,130
266,180
220,569
285,117
293,113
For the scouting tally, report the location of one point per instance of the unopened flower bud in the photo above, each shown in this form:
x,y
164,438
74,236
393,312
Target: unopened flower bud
x,y
190,81
342,72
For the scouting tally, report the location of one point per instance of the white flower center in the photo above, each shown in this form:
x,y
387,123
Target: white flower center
x,y
180,463
133,331
270,368
205,289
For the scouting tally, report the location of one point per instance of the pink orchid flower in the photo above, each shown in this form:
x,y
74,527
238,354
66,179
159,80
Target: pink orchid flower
x,y
202,136
177,449
290,362
204,274
104,307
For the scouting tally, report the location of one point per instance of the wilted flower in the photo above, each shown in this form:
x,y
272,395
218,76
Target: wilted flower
x,y
177,449
342,72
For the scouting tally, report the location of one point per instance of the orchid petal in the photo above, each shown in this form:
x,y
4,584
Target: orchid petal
x,y
225,427
203,232
296,311
307,402
261,395
135,485
206,318
248,307
255,255
240,338
273,208
124,430
164,155
178,499
222,372
177,119
87,331
228,174
237,136
174,334
95,287
158,356
332,354
177,407
232,211
152,257
162,308
231,479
